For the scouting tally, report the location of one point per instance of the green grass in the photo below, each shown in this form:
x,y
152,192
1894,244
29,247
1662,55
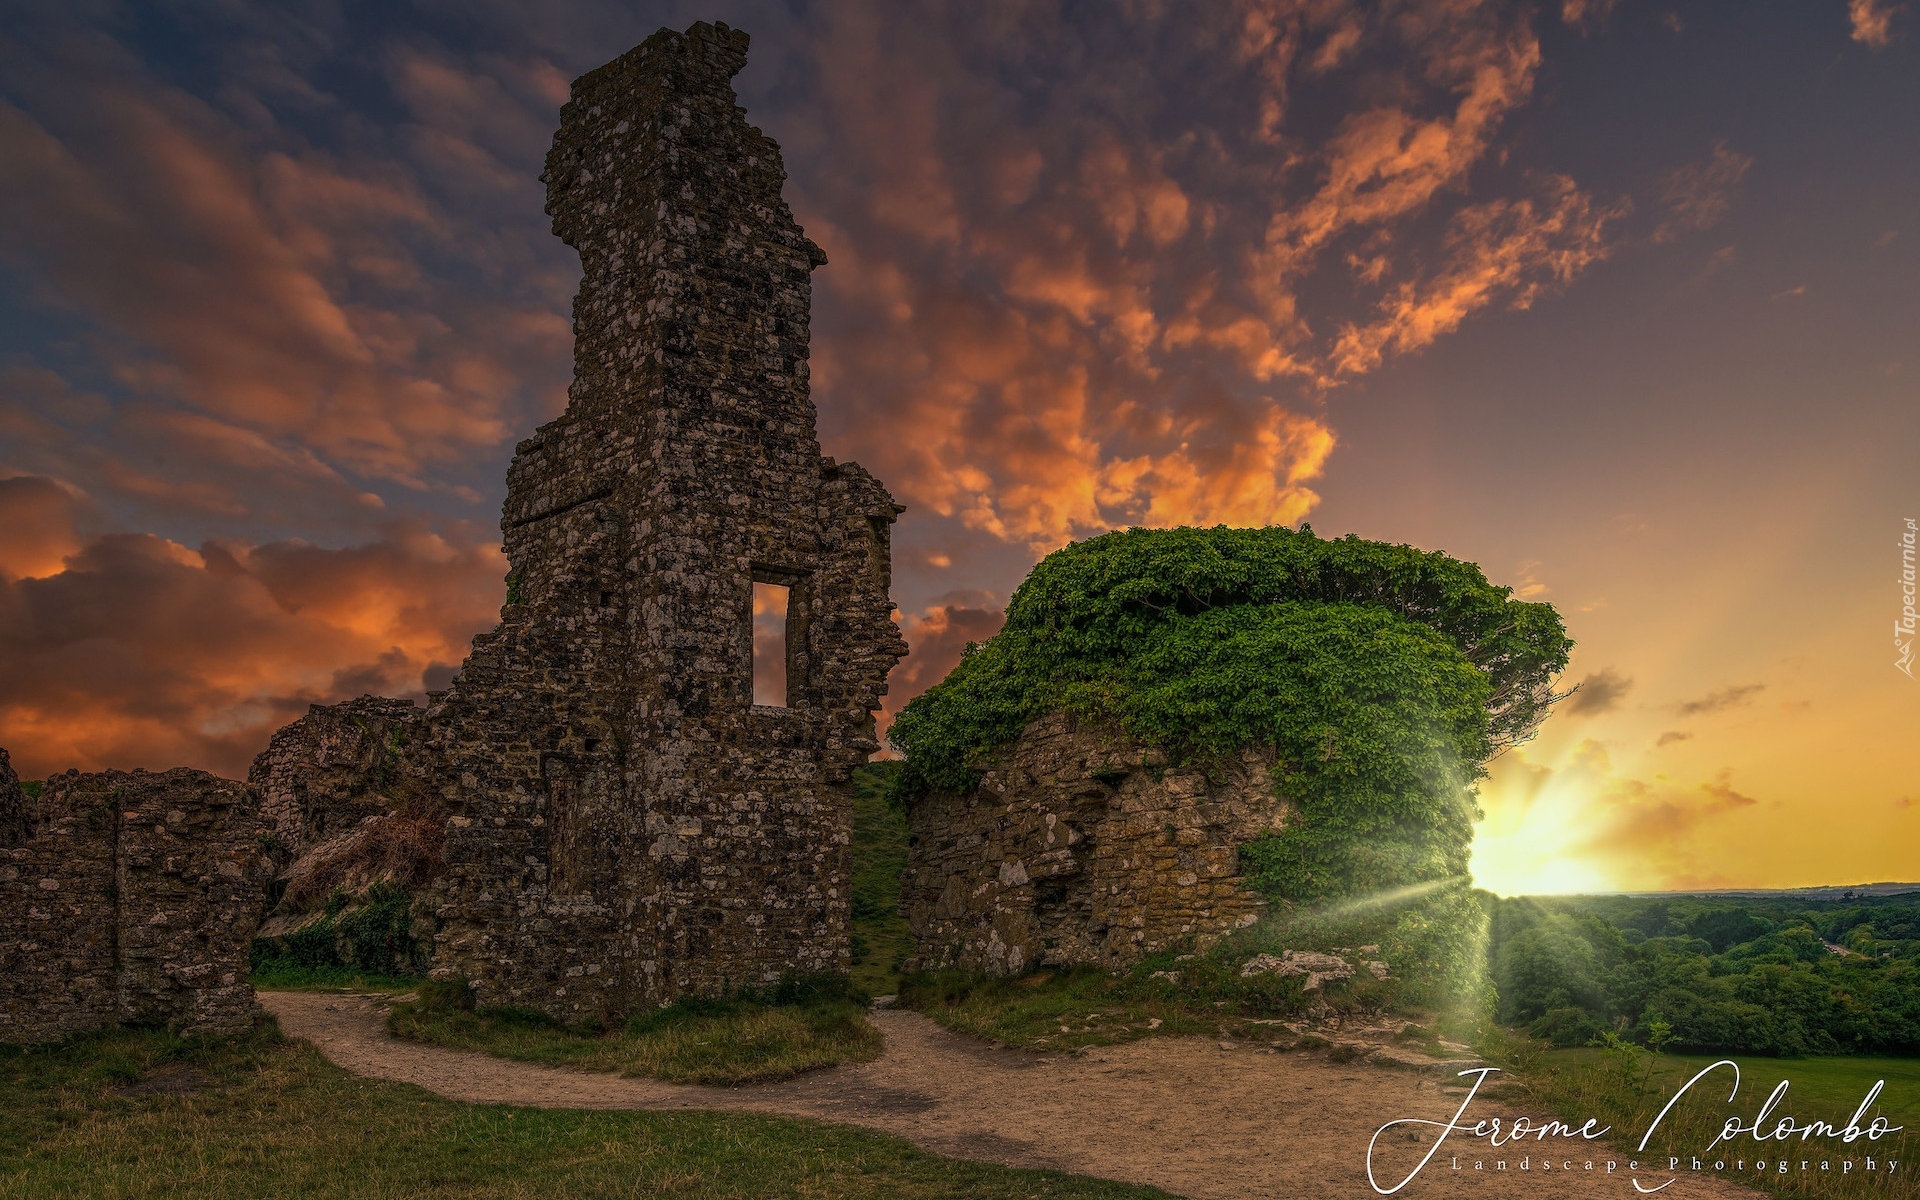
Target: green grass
x,y
1177,993
271,1118
722,1042
1070,1009
881,939
283,976
1055,1010
1627,1089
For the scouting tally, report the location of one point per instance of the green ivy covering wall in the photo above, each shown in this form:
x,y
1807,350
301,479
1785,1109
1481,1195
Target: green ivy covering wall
x,y
1382,678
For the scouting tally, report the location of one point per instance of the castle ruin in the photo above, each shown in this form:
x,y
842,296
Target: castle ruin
x,y
627,825
618,822
597,815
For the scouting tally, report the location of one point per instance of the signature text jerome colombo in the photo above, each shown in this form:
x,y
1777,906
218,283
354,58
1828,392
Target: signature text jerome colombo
x,y
1522,1129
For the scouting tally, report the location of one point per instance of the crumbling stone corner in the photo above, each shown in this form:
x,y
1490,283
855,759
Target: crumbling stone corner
x,y
1082,847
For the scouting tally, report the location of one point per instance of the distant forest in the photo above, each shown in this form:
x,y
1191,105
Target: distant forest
x,y
1782,975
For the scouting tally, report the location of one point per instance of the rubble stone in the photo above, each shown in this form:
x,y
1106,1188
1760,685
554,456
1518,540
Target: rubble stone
x,y
132,898
1081,847
1317,967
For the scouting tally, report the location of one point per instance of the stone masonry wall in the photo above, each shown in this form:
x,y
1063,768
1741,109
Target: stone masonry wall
x,y
628,826
58,923
132,898
1078,847
327,772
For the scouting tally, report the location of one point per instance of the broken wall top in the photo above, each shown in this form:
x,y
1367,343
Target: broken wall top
x,y
13,805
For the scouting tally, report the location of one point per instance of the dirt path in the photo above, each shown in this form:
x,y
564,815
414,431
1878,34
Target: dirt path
x,y
1182,1114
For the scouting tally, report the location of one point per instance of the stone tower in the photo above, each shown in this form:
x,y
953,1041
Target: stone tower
x,y
629,826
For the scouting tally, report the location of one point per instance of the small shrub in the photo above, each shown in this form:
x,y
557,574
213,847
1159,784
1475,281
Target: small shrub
x,y
1563,1027
370,937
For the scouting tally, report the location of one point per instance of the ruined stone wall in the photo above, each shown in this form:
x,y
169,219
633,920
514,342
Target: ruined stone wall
x,y
330,770
13,805
190,886
1079,847
58,924
628,826
132,898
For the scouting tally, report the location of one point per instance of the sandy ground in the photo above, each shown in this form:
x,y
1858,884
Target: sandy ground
x,y
1182,1114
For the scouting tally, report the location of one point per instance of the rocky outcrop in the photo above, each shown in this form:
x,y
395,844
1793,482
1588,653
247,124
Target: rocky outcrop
x,y
1080,847
323,775
358,816
132,898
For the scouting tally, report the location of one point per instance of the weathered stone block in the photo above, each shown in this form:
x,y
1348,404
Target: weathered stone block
x,y
132,898
13,805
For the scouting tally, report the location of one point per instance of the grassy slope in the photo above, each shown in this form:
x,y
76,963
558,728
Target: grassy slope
x,y
1828,1089
881,941
274,1119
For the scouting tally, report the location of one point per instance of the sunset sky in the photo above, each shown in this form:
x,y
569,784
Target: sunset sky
x,y
1619,300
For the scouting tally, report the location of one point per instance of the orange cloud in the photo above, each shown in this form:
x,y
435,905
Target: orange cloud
x,y
1080,303
37,530
936,637
1698,196
1511,248
139,650
1585,13
1872,22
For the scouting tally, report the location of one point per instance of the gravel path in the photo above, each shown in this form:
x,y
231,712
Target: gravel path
x,y
1183,1114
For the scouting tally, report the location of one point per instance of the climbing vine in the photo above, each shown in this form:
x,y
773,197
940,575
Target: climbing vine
x,y
1382,678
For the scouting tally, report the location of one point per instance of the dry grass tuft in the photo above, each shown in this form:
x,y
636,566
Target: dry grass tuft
x,y
395,849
